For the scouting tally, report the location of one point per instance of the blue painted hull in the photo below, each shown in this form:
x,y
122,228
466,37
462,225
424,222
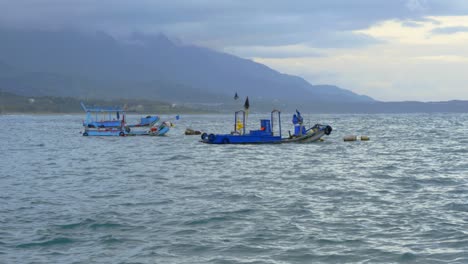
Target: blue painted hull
x,y
104,133
162,131
240,139
259,137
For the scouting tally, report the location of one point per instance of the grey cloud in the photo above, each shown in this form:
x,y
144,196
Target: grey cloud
x,y
411,24
272,52
342,39
222,23
449,30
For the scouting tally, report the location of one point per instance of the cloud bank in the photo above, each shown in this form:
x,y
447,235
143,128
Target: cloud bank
x,y
377,47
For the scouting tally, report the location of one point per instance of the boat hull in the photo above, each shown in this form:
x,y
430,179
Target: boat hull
x,y
257,137
239,139
105,132
129,130
311,136
154,131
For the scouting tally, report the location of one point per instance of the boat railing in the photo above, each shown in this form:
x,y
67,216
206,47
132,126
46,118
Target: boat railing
x,y
278,112
236,121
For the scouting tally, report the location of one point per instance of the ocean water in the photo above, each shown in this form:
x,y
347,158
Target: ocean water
x,y
401,197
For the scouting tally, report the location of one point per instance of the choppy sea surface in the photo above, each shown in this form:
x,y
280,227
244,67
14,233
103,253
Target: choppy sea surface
x,y
401,197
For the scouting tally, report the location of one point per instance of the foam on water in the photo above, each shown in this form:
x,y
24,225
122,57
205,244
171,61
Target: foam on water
x,y
401,197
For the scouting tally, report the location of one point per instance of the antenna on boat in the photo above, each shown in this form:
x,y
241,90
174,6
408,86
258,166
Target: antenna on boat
x,y
83,106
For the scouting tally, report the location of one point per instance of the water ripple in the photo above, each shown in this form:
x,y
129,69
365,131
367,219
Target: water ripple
x,y
401,197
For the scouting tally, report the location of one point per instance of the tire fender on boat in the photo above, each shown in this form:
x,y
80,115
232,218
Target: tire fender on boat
x,y
85,134
121,134
204,136
226,140
211,137
328,130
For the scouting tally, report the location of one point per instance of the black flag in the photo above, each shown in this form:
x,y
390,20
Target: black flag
x,y
246,104
236,96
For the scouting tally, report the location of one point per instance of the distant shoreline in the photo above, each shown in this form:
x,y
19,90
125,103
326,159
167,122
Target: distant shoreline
x,y
47,105
16,104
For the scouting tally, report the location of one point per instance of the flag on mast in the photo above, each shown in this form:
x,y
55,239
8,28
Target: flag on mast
x,y
246,108
246,104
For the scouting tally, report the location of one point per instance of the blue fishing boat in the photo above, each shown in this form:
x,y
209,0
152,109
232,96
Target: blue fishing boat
x,y
110,121
239,136
104,121
269,131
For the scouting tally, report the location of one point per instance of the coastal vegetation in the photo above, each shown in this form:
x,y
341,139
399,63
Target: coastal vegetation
x,y
11,103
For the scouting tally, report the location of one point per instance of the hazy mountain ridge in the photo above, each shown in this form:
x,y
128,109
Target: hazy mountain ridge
x,y
64,85
97,65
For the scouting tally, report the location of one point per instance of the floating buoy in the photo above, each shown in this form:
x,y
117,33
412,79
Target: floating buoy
x,y
189,131
350,138
365,138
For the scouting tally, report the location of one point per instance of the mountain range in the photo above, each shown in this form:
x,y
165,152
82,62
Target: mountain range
x,y
69,63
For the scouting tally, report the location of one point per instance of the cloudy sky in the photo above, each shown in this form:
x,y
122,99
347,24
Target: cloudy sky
x,y
391,50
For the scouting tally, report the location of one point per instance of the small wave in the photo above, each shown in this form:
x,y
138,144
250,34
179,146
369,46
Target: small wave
x,y
241,211
299,255
408,257
185,232
438,181
153,203
457,207
225,260
239,196
47,243
459,190
244,250
190,248
104,196
205,221
105,225
324,241
112,240
85,222
91,224
178,157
